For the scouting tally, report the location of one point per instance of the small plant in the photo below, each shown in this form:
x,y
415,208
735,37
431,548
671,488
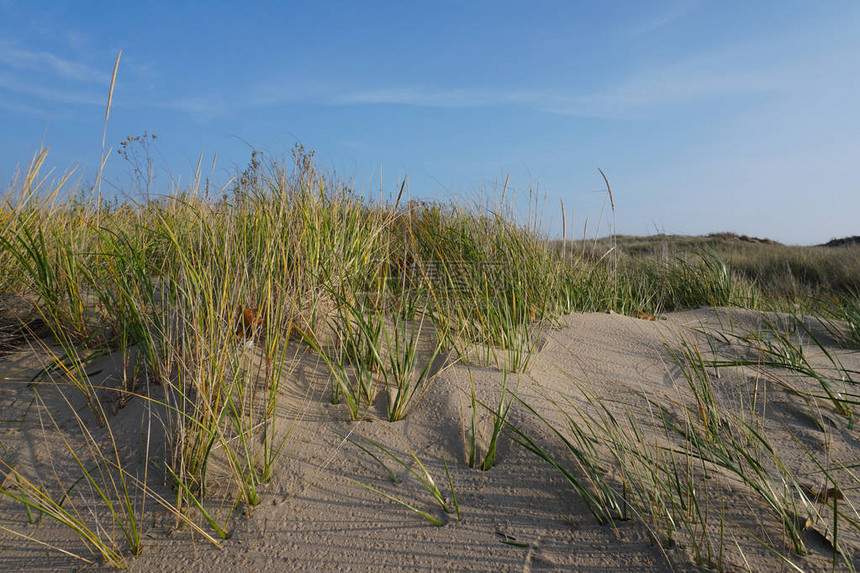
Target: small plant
x,y
118,493
847,310
591,485
421,474
137,151
355,355
851,315
741,447
694,369
499,415
405,389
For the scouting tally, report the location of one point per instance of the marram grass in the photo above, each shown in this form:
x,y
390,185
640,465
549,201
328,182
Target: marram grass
x,y
167,282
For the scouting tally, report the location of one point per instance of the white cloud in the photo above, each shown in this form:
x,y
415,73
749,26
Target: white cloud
x,y
702,78
631,98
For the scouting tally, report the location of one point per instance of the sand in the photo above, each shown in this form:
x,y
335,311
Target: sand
x,y
521,515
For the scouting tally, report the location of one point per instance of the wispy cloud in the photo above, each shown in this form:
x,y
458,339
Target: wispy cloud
x,y
46,62
631,97
428,97
697,79
649,93
21,108
38,82
201,109
647,90
210,106
54,95
674,12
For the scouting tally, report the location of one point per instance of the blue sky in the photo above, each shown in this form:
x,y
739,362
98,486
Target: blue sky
x,y
705,116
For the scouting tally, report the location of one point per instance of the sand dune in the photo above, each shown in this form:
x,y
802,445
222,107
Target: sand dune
x,y
593,372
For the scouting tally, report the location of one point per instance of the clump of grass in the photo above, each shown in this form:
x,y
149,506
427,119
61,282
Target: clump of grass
x,y
163,286
847,310
850,308
378,344
405,387
741,446
589,482
421,474
355,355
499,415
487,308
779,349
657,286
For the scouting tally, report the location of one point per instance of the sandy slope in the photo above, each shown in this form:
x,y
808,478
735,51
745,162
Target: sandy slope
x,y
521,515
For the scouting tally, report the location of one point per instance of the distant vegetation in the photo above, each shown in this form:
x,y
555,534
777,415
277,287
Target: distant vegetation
x,y
844,242
781,275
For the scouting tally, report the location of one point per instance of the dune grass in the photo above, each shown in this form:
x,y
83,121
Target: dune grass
x,y
166,282
661,470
